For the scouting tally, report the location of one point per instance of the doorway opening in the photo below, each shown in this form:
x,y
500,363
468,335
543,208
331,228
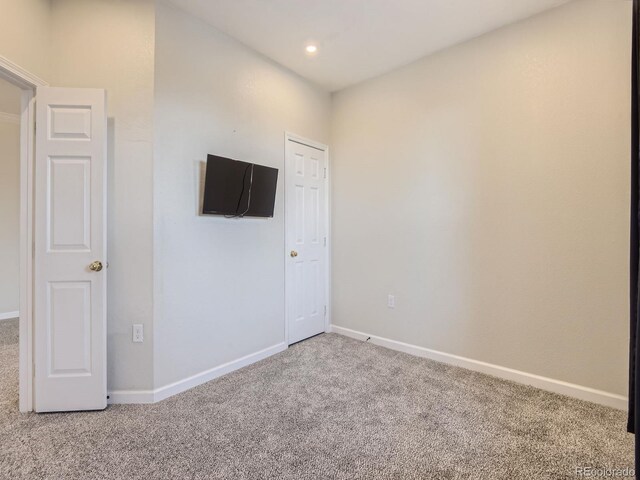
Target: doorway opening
x,y
70,203
10,105
307,238
25,83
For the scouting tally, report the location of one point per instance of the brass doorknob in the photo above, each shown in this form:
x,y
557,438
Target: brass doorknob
x,y
96,266
293,253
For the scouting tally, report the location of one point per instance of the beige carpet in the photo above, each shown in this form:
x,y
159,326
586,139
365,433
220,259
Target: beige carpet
x,y
330,407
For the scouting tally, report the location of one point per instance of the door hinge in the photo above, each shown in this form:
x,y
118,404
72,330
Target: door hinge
x,y
325,241
325,310
325,172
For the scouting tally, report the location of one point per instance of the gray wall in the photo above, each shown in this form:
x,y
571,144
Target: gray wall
x,y
487,187
30,51
219,283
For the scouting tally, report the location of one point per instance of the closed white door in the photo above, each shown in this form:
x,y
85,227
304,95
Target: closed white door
x,y
306,240
70,250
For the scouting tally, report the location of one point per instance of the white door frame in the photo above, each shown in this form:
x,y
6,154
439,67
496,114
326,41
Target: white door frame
x,y
288,136
27,82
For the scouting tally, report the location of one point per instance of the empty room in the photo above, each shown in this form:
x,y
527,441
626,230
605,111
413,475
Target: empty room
x,y
319,239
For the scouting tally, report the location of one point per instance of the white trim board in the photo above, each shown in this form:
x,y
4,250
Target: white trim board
x,y
27,82
9,315
543,383
153,396
18,76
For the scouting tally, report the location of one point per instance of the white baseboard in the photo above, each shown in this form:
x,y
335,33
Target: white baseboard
x,y
203,377
9,315
544,383
152,396
130,396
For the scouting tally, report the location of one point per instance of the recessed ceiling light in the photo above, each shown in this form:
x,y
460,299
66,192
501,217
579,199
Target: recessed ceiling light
x,y
311,49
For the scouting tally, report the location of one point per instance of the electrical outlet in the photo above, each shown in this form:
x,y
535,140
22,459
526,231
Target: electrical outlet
x,y
138,333
391,301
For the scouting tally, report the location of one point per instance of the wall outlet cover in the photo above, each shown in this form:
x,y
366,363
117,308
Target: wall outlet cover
x,y
138,333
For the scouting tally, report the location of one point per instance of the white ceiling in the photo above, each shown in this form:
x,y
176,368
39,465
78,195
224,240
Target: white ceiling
x,y
357,39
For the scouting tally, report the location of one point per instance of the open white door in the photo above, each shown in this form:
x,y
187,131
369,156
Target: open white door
x,y
70,250
306,240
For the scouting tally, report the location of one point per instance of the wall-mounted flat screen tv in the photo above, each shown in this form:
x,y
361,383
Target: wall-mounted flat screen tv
x,y
238,189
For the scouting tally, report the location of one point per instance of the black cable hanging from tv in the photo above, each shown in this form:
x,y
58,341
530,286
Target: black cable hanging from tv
x,y
244,177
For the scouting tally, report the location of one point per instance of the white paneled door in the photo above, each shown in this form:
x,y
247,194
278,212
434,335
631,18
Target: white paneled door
x,y
70,250
306,240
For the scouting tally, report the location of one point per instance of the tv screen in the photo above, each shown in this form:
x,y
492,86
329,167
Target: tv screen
x,y
238,189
